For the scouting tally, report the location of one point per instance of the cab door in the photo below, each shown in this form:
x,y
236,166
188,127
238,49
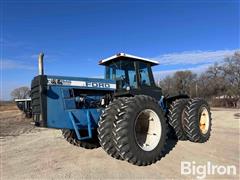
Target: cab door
x,y
146,82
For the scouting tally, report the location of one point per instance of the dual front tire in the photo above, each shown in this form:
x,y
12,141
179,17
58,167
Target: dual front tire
x,y
105,127
136,131
140,130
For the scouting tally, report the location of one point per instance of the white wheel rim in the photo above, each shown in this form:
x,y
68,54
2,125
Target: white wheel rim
x,y
148,130
204,121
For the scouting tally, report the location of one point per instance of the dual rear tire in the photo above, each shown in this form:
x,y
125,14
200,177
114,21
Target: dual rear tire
x,y
176,115
197,122
190,119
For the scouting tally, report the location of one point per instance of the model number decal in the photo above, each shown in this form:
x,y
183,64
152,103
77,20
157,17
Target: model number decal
x,y
81,83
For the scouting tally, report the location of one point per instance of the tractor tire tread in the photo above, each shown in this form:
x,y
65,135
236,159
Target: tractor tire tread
x,y
121,130
191,121
71,137
105,126
175,117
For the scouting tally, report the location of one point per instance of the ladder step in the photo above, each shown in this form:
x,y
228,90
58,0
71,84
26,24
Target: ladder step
x,y
85,137
76,124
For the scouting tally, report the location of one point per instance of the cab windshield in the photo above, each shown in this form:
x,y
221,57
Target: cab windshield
x,y
124,72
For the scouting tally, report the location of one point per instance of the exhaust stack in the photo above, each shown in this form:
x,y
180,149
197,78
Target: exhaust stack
x,y
40,64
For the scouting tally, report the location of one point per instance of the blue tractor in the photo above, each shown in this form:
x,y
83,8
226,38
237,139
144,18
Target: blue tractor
x,y
125,113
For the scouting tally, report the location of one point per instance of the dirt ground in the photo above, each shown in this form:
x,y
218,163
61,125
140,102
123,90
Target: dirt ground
x,y
36,153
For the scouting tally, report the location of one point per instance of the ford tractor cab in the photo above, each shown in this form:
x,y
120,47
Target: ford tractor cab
x,y
133,75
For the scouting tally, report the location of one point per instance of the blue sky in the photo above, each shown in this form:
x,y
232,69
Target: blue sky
x,y
75,35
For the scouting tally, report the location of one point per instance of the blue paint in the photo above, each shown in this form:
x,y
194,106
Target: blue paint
x,y
58,107
162,104
89,124
62,111
76,124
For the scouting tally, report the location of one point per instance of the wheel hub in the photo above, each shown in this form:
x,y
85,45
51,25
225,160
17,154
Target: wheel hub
x,y
204,121
147,130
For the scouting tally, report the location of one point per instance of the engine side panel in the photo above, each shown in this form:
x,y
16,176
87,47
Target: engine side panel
x,y
56,96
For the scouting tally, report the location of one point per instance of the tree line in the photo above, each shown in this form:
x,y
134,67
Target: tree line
x,y
219,84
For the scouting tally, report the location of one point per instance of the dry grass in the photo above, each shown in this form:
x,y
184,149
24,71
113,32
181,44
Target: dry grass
x,y
7,106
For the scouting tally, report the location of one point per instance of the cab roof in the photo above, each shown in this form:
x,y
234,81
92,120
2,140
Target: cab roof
x,y
123,56
17,100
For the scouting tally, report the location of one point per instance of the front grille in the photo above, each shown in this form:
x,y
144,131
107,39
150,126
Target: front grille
x,y
35,96
38,96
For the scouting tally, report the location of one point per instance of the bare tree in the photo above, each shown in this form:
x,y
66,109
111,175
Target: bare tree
x,y
215,81
203,86
184,82
231,71
167,85
180,82
20,93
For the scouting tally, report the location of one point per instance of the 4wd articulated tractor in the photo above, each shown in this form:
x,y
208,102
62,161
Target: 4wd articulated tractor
x,y
125,113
